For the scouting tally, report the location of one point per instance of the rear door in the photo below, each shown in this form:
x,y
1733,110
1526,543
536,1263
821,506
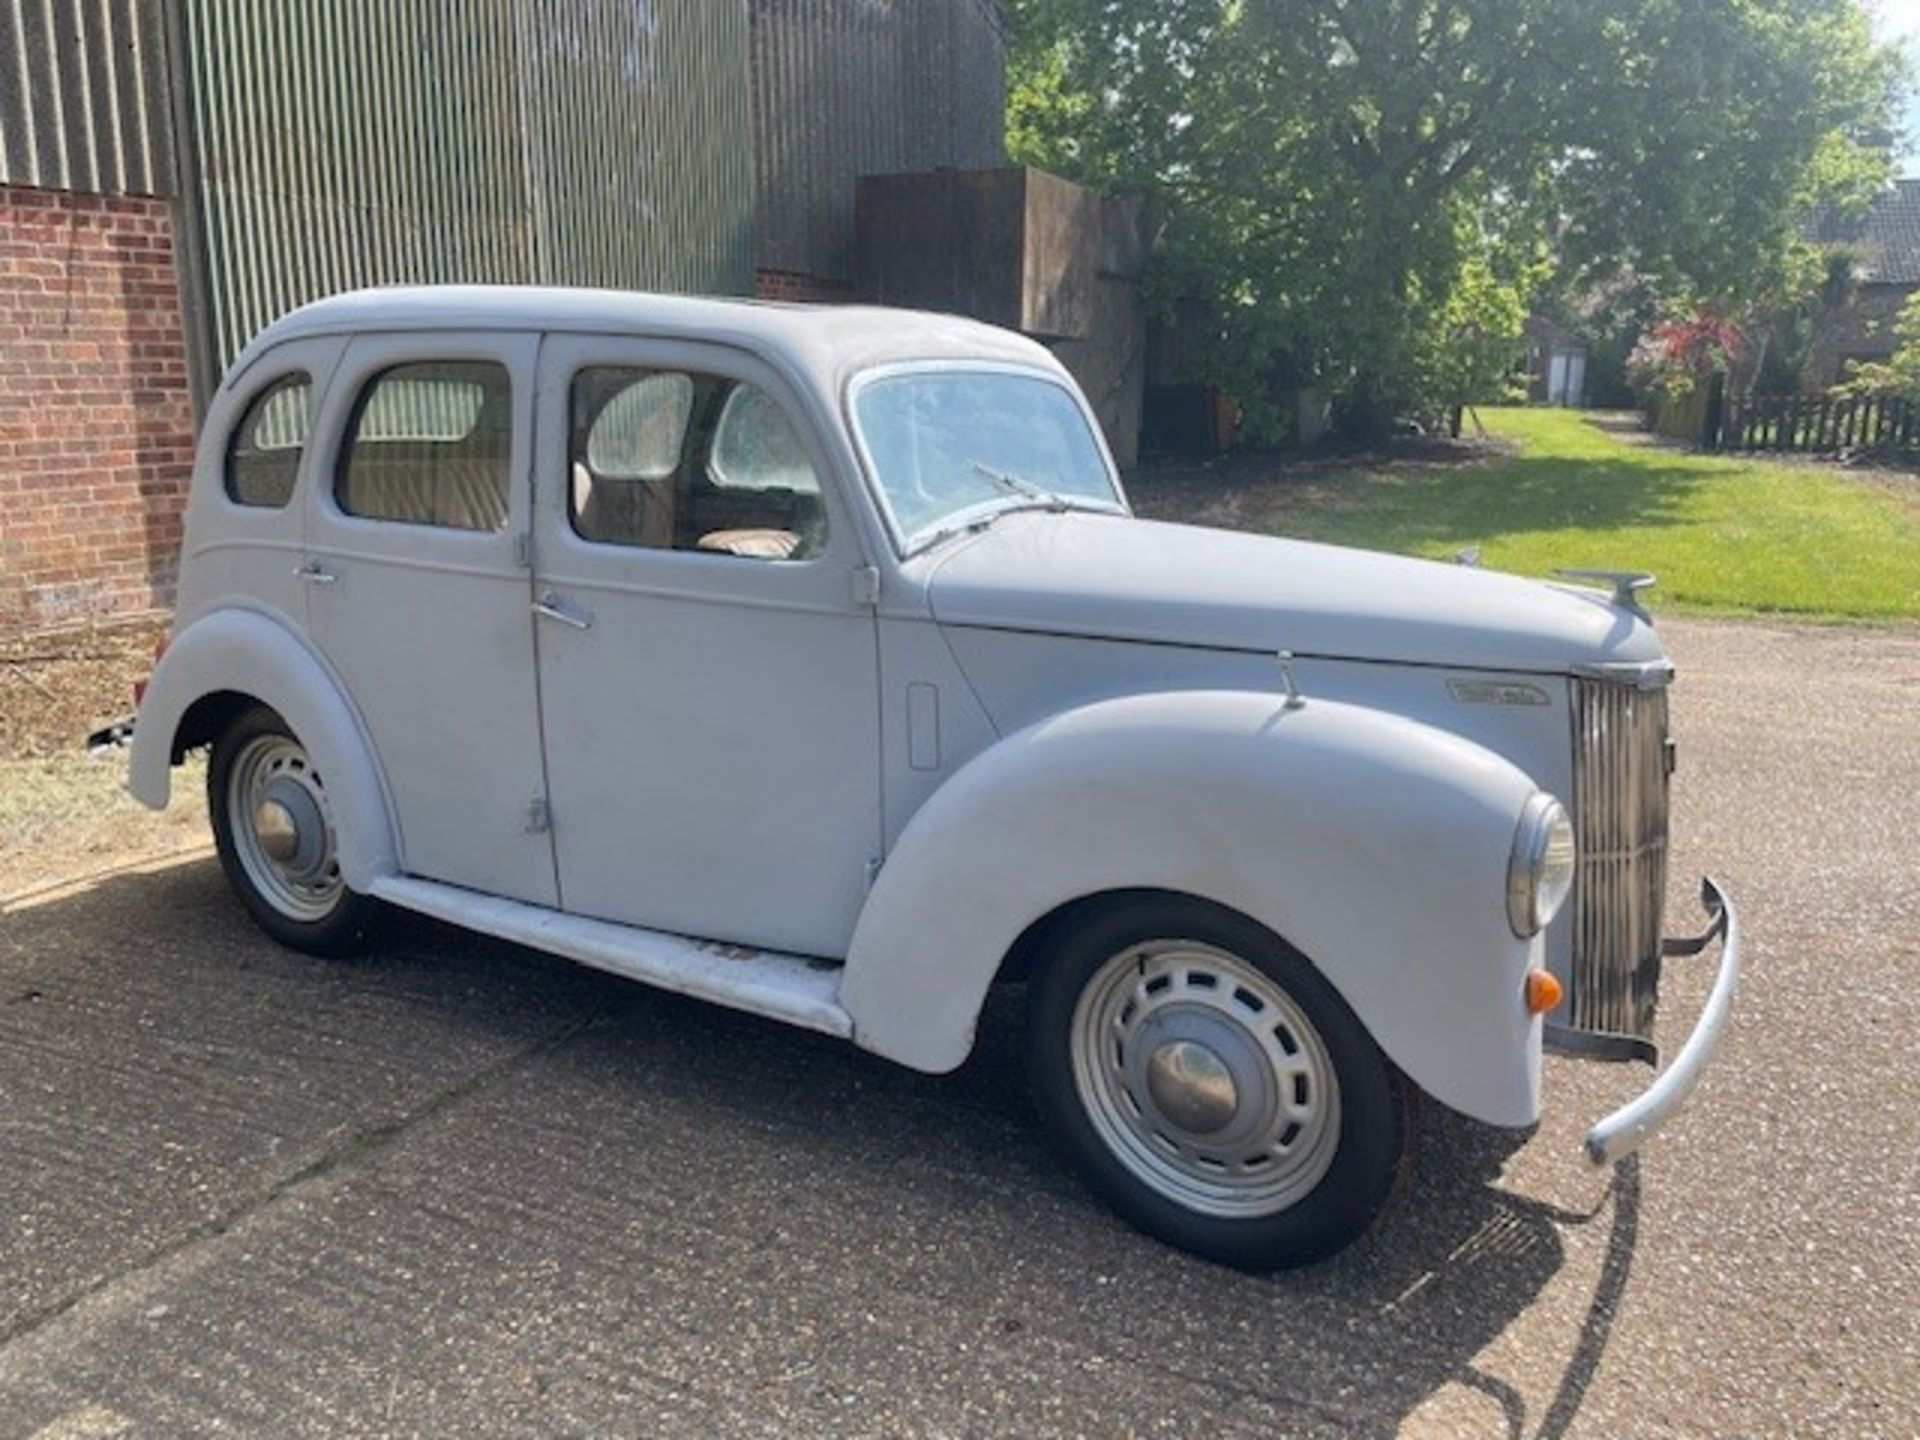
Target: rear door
x,y
419,594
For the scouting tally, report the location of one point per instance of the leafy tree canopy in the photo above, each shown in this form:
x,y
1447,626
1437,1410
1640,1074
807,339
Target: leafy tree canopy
x,y
1370,191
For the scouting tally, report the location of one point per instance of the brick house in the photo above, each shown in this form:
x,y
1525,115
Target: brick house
x,y
1884,246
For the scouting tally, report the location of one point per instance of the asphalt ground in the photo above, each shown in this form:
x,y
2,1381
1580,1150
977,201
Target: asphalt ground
x,y
464,1189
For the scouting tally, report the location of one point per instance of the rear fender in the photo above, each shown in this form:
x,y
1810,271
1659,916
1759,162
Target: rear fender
x,y
1373,844
248,653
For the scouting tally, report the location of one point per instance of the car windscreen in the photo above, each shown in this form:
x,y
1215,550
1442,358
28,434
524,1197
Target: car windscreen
x,y
948,444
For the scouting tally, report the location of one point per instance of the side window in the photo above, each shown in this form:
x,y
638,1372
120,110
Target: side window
x,y
430,444
673,461
263,455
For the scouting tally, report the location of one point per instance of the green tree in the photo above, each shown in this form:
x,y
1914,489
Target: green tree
x,y
1341,178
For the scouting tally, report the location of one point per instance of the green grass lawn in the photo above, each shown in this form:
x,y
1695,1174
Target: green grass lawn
x,y
1725,534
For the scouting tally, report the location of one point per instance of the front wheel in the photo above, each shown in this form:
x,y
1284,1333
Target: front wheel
x,y
1211,1086
273,827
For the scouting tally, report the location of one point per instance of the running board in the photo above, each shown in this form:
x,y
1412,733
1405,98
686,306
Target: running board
x,y
792,988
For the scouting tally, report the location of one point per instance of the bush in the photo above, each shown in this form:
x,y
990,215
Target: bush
x,y
1678,356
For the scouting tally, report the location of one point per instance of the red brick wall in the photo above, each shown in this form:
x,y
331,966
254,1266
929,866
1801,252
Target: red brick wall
x,y
795,285
96,424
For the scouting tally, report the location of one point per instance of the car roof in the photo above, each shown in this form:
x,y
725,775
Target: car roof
x,y
823,343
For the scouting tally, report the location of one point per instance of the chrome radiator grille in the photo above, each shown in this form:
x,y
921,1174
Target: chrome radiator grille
x,y
1620,814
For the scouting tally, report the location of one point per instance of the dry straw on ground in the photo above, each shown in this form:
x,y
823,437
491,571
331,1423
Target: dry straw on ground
x,y
63,812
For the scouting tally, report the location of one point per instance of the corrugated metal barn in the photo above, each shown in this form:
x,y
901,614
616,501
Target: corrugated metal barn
x,y
659,144
592,142
843,89
176,173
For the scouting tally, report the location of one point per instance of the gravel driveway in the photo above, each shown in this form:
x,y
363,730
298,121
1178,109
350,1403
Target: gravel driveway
x,y
464,1189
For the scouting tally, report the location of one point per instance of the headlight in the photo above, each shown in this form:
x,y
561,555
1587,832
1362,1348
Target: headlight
x,y
1541,871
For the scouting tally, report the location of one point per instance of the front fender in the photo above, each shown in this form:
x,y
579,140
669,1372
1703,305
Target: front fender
x,y
1373,844
251,654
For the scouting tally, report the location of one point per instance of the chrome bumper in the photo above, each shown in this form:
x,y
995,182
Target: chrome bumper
x,y
1622,1132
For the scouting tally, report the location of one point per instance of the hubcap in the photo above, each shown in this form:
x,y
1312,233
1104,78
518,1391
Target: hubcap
x,y
1192,1086
282,829
1205,1078
279,836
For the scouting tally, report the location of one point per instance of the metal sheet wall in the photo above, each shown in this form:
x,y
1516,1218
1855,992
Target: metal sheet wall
x,y
845,88
342,143
646,162
83,97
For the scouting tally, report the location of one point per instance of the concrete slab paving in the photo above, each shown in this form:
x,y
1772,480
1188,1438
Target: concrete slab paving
x,y
460,1188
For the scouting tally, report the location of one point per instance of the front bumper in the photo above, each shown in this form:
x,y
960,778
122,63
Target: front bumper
x,y
1623,1132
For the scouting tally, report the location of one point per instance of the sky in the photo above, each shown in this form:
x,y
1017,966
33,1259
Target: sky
x,y
1900,20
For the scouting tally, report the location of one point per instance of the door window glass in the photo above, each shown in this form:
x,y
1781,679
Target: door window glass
x,y
430,444
673,461
263,457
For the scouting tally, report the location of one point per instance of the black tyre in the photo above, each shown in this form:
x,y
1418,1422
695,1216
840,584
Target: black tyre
x,y
273,827
1211,1086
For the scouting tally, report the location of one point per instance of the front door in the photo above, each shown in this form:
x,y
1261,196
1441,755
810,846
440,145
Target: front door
x,y
708,674
419,594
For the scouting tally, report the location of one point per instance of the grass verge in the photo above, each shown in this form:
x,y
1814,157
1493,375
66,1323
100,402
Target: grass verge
x,y
1727,535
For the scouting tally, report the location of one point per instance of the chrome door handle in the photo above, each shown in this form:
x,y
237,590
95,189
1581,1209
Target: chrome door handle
x,y
552,607
314,573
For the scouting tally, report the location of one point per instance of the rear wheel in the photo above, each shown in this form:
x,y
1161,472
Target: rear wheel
x,y
273,826
1211,1086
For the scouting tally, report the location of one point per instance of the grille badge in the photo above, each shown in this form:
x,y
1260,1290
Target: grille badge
x,y
1496,692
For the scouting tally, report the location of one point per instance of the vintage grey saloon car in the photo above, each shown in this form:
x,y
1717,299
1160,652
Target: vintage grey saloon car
x,y
810,661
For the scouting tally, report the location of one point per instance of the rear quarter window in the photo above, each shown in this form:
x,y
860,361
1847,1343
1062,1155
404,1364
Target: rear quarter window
x,y
263,454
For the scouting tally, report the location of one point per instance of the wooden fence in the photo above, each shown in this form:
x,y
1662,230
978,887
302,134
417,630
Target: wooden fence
x,y
1815,423
1686,417
1708,417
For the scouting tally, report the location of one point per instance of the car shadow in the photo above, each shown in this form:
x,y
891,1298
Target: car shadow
x,y
146,1015
1454,1261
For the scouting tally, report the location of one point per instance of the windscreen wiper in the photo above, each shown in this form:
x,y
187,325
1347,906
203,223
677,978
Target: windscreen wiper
x,y
1021,486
